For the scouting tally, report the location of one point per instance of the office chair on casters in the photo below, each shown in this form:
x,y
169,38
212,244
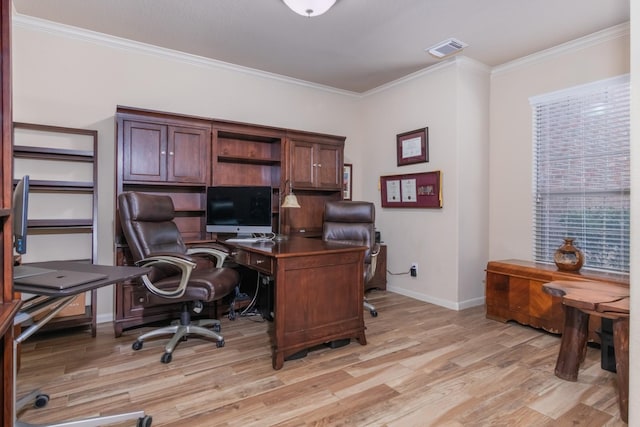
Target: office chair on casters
x,y
353,222
176,277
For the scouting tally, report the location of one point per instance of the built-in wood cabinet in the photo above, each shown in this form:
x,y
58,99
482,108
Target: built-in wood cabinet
x,y
316,164
315,170
160,152
167,154
249,155
514,292
178,155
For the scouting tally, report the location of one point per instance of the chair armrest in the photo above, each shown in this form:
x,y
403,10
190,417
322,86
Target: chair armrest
x,y
185,265
176,255
374,262
218,254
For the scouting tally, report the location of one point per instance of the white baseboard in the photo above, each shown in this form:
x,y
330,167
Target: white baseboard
x,y
452,305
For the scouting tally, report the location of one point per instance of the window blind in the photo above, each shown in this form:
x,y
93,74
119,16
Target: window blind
x,y
581,172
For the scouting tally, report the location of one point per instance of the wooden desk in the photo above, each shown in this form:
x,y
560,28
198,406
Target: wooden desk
x,y
318,292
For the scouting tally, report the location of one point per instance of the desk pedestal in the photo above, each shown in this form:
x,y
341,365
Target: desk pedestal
x,y
316,302
318,293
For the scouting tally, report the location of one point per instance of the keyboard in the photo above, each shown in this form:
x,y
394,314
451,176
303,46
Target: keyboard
x,y
245,240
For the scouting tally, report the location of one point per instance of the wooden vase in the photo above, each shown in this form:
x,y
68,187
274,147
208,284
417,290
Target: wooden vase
x,y
568,257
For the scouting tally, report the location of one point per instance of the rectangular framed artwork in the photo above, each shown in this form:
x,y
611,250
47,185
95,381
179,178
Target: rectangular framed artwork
x,y
413,147
417,190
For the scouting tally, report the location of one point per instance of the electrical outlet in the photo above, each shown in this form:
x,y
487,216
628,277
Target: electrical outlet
x,y
414,269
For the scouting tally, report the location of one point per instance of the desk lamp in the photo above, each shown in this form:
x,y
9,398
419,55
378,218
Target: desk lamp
x,y
290,201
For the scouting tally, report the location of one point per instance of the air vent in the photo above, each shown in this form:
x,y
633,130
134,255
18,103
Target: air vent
x,y
446,48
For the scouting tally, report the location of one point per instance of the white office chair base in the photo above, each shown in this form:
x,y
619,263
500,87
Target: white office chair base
x,y
180,333
368,306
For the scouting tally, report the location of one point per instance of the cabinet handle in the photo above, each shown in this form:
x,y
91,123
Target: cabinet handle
x,y
259,261
319,165
171,153
163,152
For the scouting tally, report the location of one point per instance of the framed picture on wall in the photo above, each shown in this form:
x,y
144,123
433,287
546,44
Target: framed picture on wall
x,y
347,180
413,147
416,190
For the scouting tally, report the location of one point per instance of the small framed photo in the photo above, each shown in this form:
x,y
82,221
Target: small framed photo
x,y
347,180
413,147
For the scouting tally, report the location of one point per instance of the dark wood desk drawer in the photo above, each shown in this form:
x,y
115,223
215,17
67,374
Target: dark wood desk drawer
x,y
256,261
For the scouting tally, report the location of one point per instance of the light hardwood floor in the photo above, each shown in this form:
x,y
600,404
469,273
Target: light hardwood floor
x,y
423,365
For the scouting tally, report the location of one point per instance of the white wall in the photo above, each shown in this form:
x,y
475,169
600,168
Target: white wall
x,y
452,101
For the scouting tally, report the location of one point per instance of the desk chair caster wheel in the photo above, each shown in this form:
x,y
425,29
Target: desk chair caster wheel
x,y
137,345
144,421
216,328
220,343
166,358
41,401
374,313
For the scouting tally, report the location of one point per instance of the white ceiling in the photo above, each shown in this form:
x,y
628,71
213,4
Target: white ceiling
x,y
356,46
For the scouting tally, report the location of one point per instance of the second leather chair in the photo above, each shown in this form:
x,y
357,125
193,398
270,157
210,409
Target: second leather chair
x,y
155,241
353,223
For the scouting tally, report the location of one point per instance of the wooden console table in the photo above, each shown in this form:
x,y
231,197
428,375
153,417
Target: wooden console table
x,y
318,291
514,292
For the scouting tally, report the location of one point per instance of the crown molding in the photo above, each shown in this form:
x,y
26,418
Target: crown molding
x,y
590,40
68,31
62,30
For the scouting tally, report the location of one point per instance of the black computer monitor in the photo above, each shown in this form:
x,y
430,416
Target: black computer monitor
x,y
244,210
20,210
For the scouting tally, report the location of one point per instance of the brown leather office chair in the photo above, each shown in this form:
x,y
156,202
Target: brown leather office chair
x,y
353,222
176,277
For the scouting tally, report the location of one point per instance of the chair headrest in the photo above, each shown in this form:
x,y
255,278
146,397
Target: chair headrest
x,y
147,207
349,211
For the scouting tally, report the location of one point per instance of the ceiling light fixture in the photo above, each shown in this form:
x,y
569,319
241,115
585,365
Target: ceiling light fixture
x,y
309,8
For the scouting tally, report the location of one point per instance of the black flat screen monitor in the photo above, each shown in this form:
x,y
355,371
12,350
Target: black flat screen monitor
x,y
20,210
243,210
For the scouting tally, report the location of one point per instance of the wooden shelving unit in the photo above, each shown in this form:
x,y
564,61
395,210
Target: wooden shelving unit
x,y
50,155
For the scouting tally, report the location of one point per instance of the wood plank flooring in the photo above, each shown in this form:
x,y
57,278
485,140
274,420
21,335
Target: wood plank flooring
x,y
423,365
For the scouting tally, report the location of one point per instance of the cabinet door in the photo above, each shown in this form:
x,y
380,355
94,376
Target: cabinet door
x,y
315,165
145,148
302,164
188,154
328,167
